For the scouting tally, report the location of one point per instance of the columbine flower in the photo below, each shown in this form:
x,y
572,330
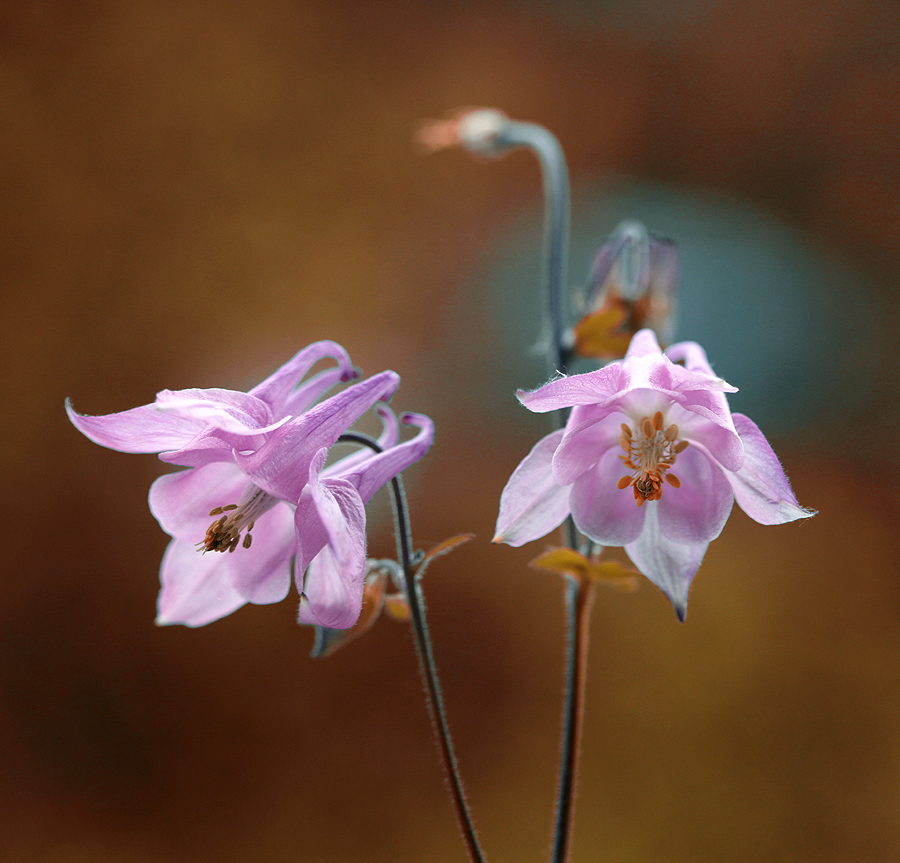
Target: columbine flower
x,y
257,494
651,458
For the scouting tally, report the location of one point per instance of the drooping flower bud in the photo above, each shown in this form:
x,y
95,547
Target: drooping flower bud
x,y
631,287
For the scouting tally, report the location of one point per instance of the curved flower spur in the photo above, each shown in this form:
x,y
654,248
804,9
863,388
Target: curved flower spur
x,y
257,494
651,458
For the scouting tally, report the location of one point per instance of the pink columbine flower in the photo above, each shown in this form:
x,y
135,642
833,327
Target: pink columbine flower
x,y
651,458
256,463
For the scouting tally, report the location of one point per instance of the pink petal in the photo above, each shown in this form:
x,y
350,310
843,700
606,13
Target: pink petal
x,y
276,388
643,344
181,501
593,388
228,410
262,573
670,565
761,488
281,465
698,509
602,511
390,433
195,587
333,587
211,445
721,440
533,504
142,429
589,434
692,355
374,472
308,393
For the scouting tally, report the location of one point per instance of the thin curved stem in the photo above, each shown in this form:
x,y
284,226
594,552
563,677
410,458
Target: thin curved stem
x,y
427,666
579,592
546,147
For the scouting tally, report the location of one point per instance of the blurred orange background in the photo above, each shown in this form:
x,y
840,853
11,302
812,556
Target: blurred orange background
x,y
195,190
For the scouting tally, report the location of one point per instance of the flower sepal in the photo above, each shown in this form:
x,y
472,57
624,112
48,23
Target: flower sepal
x,y
567,561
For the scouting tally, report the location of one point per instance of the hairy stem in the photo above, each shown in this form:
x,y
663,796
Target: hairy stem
x,y
579,592
579,599
427,666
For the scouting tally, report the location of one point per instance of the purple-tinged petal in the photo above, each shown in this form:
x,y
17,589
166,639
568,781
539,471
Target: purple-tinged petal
x,y
643,344
281,465
211,445
533,504
670,565
382,467
262,573
602,511
584,443
181,501
698,509
592,388
276,388
228,410
760,487
696,367
196,589
309,392
141,429
721,441
333,588
390,433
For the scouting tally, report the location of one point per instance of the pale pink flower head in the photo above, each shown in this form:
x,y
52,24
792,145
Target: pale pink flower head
x,y
257,500
651,458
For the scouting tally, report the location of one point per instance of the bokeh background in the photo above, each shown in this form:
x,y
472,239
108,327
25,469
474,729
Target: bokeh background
x,y
194,190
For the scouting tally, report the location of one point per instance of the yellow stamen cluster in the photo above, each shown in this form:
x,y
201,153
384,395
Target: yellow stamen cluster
x,y
650,452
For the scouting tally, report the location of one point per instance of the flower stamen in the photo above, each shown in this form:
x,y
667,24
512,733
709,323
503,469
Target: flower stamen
x,y
224,534
651,450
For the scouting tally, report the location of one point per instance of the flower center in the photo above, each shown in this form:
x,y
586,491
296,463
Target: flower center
x,y
224,534
650,452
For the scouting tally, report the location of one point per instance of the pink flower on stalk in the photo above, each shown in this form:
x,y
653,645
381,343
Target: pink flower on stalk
x,y
686,459
256,463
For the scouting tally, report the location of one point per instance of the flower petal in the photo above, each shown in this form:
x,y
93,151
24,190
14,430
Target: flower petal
x,y
211,445
262,573
592,388
390,433
697,510
718,436
761,488
590,432
276,388
231,411
602,511
370,476
309,392
533,503
670,565
644,344
281,465
181,501
141,429
196,589
334,582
